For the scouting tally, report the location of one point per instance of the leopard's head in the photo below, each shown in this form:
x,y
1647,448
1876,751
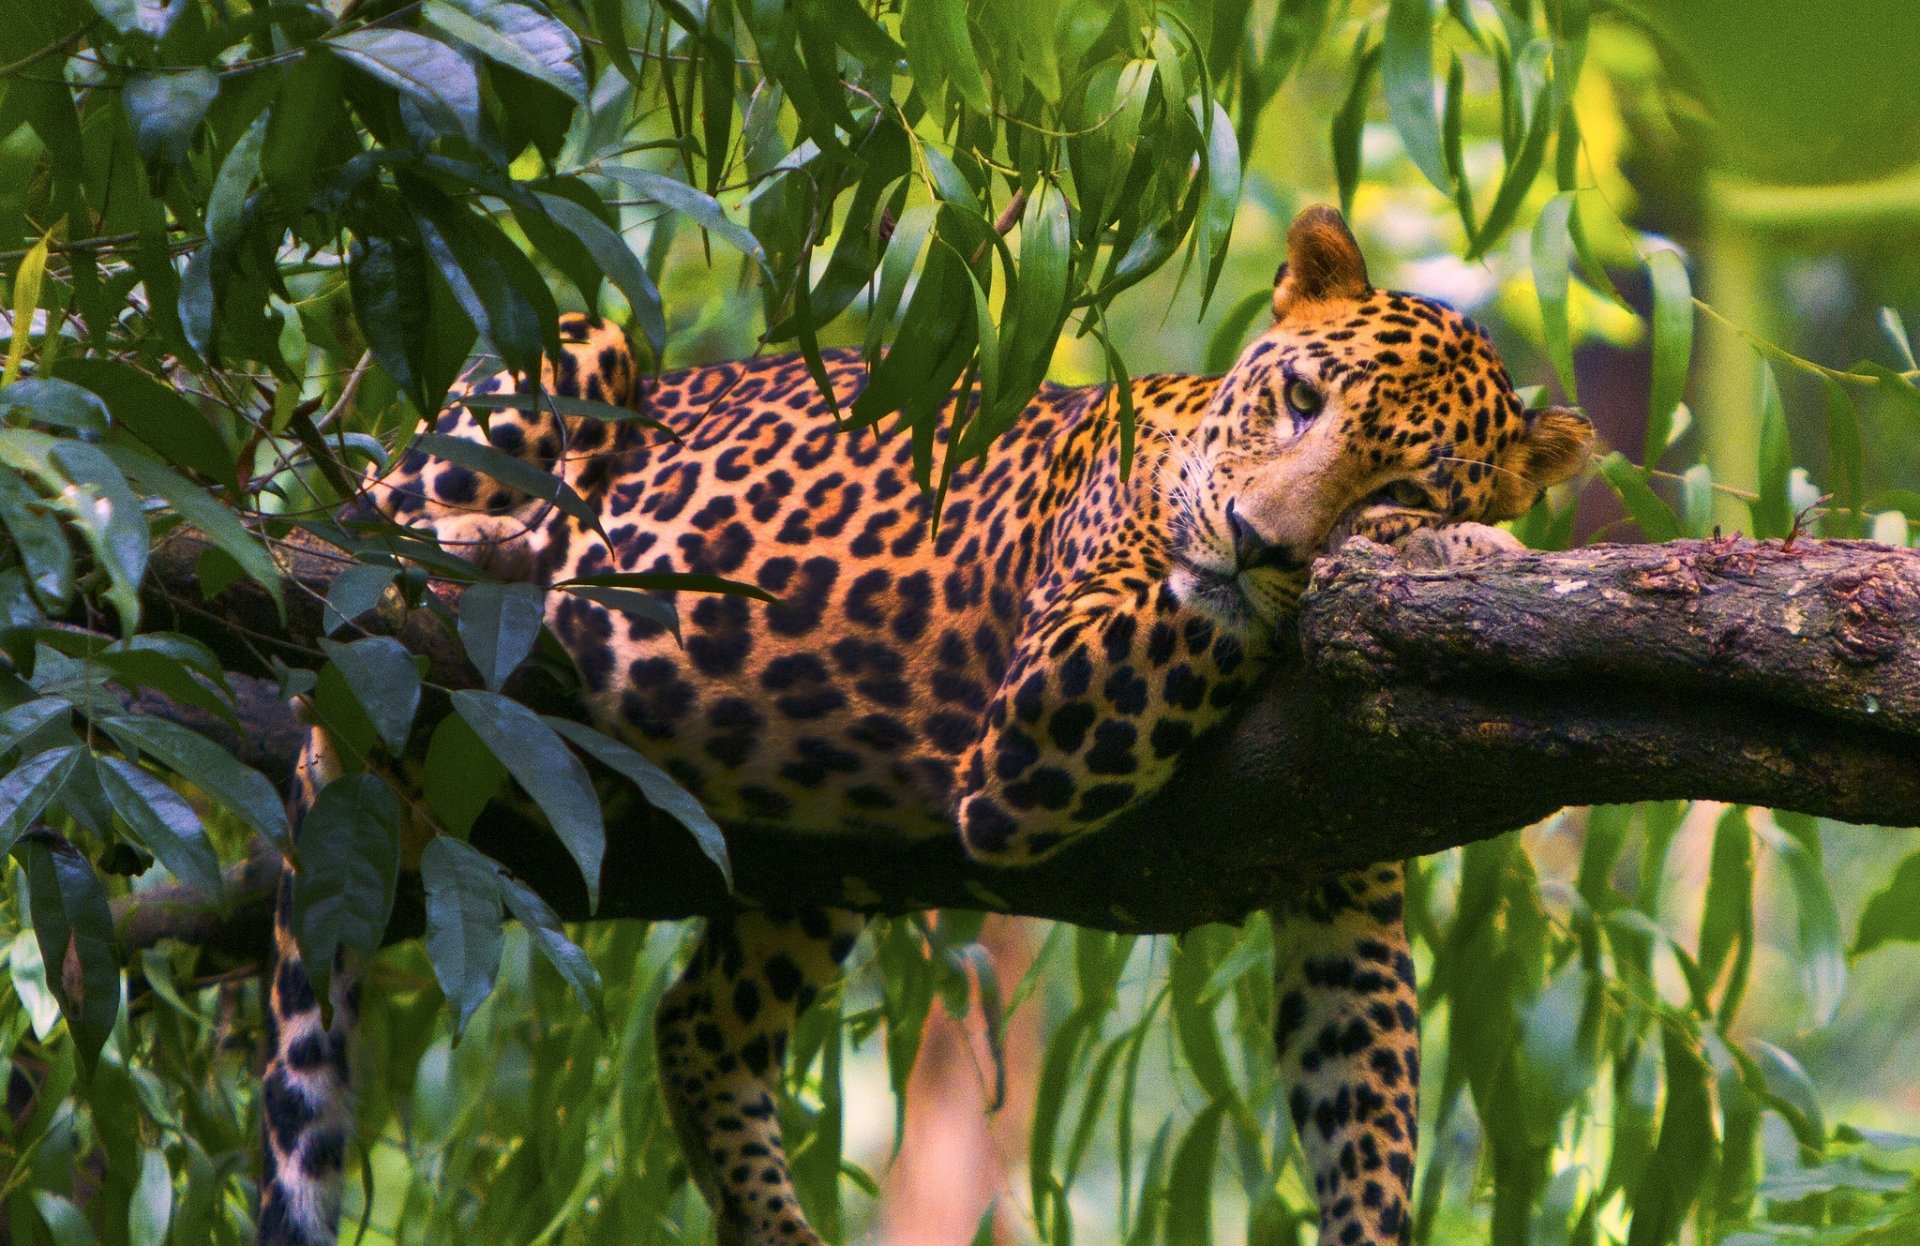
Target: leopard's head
x,y
1359,411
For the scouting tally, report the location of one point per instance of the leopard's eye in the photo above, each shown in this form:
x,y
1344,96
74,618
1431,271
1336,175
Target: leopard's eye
x,y
1406,493
1303,399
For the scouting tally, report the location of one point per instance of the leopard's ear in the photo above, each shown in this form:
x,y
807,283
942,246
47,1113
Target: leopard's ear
x,y
1554,448
1323,262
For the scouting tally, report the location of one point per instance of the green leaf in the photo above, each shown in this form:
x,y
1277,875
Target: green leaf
x,y
74,928
1406,72
617,260
349,852
1845,457
90,490
1654,516
1892,914
219,524
1822,962
659,787
387,277
63,1220
437,78
1551,264
552,943
166,110
41,542
20,722
516,473
150,1210
552,775
29,787
356,591
1350,122
463,924
243,790
562,404
702,208
170,425
1688,1148
1193,1016
658,608
383,679
1726,920
498,287
1190,1180
1773,509
517,36
163,824
669,582
1672,346
498,625
58,402
460,775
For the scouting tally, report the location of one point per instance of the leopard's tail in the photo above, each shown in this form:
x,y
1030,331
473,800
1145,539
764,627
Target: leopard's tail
x,y
306,1096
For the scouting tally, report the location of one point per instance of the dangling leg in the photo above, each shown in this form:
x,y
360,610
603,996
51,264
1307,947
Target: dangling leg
x,y
1348,1041
307,1100
722,1032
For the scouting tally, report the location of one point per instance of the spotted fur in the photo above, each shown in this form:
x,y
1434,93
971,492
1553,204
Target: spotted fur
x,y
1020,674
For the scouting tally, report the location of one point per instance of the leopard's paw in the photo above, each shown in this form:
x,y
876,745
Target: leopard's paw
x,y
1457,543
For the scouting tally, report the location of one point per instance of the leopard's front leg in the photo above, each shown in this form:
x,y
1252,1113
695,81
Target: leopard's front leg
x,y
1105,691
1347,1036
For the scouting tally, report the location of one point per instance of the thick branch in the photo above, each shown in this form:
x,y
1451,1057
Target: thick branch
x,y
1431,708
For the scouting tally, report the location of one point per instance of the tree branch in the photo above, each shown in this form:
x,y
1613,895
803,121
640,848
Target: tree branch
x,y
1431,708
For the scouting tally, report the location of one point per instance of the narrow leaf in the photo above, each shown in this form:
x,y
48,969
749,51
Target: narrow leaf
x,y
659,787
552,775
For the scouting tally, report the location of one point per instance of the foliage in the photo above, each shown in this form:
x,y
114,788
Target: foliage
x,y
250,245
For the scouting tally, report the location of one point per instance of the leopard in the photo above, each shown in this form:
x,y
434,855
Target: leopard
x,y
1018,674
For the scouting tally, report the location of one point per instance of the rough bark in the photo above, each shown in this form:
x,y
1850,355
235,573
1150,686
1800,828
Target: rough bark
x,y
1430,707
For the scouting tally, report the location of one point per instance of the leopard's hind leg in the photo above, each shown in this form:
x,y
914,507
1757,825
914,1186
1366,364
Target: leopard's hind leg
x,y
306,1097
722,1032
1348,1040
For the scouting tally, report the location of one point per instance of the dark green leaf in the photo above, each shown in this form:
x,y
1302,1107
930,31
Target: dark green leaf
x,y
660,789
559,951
460,775
58,402
617,261
26,790
170,425
1773,510
219,524
41,542
703,208
166,110
164,824
388,280
463,924
437,78
381,674
1350,122
498,625
560,404
517,36
551,774
1845,458
669,582
23,720
349,867
497,286
201,762
355,592
515,473
74,927
1190,1181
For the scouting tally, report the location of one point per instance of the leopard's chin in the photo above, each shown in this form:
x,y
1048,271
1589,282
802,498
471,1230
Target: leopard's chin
x,y
1245,603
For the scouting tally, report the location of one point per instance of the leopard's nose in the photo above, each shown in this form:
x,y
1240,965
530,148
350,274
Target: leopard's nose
x,y
1251,550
